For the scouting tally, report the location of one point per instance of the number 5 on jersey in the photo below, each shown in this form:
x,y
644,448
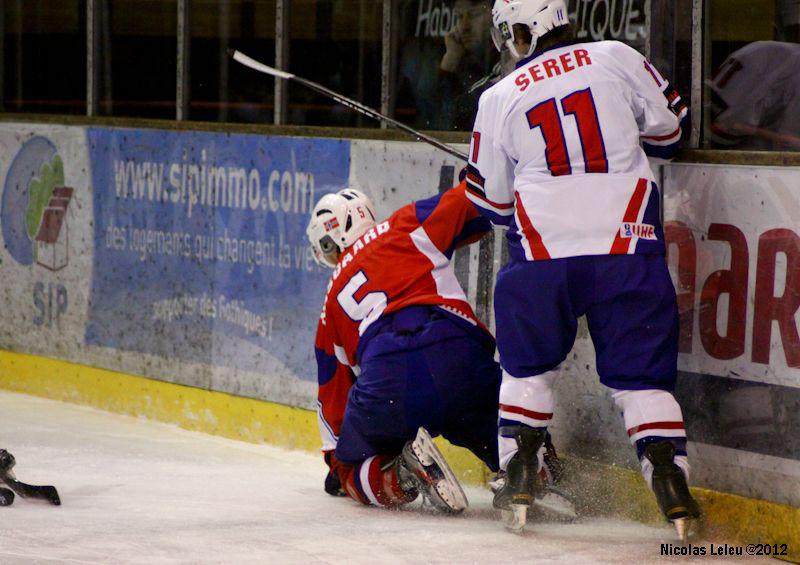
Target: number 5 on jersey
x,y
372,305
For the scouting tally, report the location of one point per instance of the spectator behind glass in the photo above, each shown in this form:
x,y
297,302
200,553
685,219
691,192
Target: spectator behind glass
x,y
756,98
438,65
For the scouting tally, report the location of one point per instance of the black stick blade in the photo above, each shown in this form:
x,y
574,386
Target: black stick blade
x,y
43,492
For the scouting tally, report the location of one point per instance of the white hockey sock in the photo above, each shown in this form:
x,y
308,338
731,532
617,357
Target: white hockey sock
x,y
527,401
653,415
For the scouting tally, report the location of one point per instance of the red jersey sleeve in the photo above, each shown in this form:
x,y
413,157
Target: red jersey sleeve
x,y
451,220
334,379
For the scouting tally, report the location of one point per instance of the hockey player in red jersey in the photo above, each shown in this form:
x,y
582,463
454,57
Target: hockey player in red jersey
x,y
558,156
401,355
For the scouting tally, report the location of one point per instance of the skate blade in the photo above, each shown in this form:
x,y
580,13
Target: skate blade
x,y
687,528
515,517
449,489
557,503
496,484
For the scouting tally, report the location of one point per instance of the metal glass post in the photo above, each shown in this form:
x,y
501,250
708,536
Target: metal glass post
x,y
182,83
281,58
388,60
223,33
2,57
92,44
697,72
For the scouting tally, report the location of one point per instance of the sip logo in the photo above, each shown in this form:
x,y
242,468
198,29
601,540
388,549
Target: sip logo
x,y
35,205
34,221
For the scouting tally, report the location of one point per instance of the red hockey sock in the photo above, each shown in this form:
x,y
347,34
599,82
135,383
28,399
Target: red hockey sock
x,y
374,481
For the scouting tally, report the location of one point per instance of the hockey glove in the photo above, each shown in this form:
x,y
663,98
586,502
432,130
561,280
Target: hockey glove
x,y
333,486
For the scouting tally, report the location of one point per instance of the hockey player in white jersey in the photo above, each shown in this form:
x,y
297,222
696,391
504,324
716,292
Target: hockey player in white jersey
x,y
755,98
559,157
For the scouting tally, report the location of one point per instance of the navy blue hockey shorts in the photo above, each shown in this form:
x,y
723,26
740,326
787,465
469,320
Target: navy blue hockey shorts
x,y
422,367
630,307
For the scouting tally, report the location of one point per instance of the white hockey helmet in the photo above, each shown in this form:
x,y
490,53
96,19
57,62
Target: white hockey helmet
x,y
539,16
337,221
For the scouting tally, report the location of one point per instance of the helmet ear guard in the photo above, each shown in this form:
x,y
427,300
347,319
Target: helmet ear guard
x,y
327,255
327,245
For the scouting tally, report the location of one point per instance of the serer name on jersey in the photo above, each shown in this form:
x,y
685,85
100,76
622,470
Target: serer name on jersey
x,y
553,67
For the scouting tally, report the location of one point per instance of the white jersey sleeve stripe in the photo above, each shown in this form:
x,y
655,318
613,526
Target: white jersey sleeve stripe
x,y
447,285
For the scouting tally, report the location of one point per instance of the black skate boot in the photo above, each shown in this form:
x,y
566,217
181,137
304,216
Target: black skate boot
x,y
672,492
422,467
522,482
551,503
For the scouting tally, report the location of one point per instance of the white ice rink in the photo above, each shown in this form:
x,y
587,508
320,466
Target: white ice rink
x,y
135,491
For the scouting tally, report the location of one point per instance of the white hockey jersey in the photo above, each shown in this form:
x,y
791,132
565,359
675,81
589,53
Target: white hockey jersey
x,y
558,152
757,98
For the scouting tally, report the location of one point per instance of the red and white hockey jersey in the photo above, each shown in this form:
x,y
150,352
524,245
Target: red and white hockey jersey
x,y
401,262
559,147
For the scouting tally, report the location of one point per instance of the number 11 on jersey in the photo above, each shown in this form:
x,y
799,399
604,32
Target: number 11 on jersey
x,y
546,117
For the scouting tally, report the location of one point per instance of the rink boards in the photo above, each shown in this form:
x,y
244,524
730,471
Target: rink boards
x,y
181,257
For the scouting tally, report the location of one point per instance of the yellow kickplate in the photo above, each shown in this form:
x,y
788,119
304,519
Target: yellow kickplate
x,y
188,407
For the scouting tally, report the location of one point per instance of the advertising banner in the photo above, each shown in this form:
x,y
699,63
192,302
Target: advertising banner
x,y
734,251
200,247
45,238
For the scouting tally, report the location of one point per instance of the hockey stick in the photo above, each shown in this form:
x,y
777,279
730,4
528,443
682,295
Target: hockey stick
x,y
349,102
44,492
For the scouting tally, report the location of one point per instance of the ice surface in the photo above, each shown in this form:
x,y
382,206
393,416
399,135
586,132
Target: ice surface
x,y
135,491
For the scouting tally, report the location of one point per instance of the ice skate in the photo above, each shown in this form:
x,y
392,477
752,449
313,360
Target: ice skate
x,y
422,466
552,502
672,492
522,482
